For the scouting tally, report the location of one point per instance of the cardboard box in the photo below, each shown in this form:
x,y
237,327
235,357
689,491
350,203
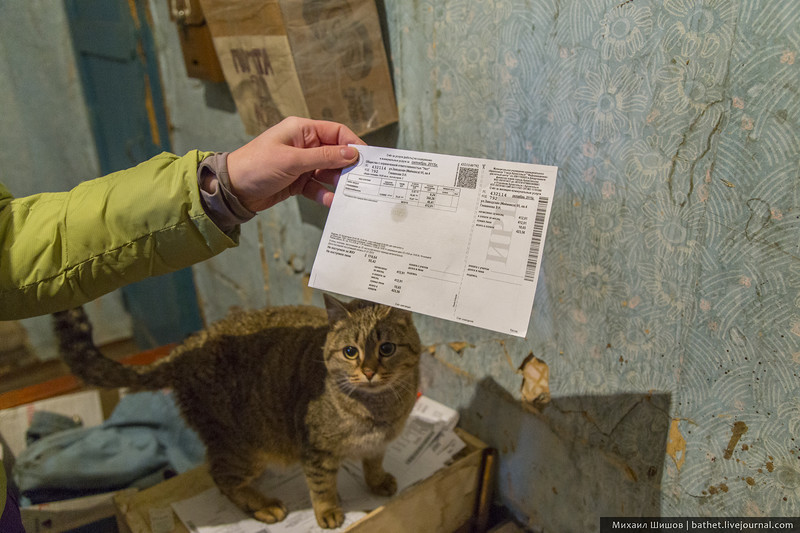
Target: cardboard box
x,y
322,59
92,407
449,500
92,514
68,396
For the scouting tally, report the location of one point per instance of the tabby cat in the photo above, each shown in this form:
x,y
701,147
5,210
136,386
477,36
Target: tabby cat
x,y
281,384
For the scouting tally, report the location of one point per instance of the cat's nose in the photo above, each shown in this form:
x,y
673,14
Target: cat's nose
x,y
368,372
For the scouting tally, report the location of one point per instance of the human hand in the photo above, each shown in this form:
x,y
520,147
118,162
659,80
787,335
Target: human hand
x,y
296,156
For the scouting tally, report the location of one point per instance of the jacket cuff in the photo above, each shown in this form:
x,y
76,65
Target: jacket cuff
x,y
218,200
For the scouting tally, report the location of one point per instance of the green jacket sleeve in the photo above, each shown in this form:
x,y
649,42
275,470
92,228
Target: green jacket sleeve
x,y
59,250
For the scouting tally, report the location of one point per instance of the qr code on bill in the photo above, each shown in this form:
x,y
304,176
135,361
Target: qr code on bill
x,y
467,176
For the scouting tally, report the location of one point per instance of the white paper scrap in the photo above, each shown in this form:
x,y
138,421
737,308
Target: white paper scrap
x,y
211,512
458,238
439,415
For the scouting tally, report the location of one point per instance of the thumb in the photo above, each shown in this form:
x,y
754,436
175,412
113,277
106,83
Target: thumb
x,y
322,157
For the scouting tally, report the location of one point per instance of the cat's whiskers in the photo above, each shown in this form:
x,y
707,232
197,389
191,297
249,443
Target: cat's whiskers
x,y
393,388
401,386
344,384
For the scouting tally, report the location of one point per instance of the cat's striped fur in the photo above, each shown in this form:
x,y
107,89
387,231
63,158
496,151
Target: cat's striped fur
x,y
281,384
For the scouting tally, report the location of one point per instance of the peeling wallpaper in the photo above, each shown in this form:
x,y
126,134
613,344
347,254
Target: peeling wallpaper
x,y
668,312
671,263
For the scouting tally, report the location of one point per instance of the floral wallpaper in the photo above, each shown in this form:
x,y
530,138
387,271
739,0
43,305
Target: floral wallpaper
x,y
672,261
671,268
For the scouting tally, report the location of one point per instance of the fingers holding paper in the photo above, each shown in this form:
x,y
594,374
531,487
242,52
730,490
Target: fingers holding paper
x,y
296,156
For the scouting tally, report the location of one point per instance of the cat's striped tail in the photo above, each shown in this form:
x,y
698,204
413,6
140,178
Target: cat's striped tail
x,y
77,349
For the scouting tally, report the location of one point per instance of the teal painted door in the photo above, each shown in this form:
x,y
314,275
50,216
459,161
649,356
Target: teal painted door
x,y
119,72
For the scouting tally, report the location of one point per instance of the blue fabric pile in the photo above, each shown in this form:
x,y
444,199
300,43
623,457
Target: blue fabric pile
x,y
143,442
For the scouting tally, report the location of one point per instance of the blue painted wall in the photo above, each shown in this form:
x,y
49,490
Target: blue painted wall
x,y
46,143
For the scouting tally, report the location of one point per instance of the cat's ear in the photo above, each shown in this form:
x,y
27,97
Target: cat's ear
x,y
382,311
403,315
336,309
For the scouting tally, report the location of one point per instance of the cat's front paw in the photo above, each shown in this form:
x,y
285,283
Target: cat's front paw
x,y
386,485
274,511
330,518
249,500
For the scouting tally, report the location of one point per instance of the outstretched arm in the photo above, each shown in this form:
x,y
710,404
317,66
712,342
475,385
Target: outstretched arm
x,y
59,250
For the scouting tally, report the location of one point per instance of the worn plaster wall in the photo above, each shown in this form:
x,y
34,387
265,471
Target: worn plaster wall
x,y
671,263
667,310
41,98
46,144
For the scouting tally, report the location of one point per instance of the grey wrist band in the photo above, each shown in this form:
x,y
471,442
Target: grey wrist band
x,y
219,202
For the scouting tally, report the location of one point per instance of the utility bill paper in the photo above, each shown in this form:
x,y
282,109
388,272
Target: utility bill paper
x,y
458,238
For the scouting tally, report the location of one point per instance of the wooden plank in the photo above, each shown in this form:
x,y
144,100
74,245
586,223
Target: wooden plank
x,y
70,383
483,502
148,356
40,391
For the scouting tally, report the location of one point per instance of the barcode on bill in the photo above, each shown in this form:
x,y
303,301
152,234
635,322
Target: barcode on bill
x,y
467,176
536,239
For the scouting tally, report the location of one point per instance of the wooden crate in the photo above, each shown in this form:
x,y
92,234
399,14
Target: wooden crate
x,y
453,499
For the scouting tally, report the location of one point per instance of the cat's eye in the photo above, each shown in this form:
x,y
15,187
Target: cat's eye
x,y
350,352
386,349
